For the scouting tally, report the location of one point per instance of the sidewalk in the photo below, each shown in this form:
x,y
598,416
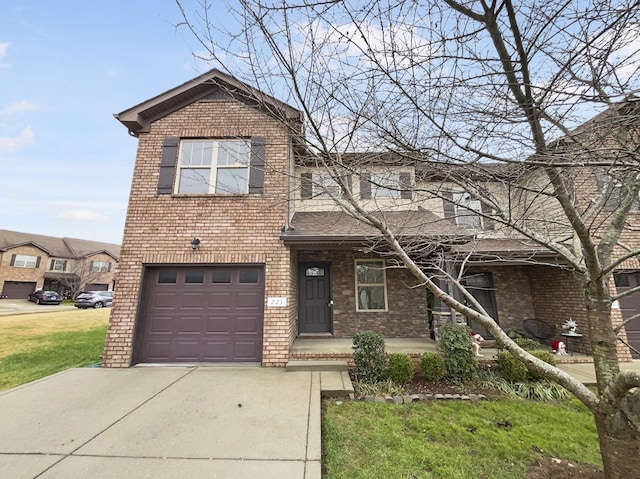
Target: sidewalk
x,y
585,373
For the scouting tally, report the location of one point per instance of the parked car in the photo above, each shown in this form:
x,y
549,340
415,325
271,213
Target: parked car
x,y
45,297
93,299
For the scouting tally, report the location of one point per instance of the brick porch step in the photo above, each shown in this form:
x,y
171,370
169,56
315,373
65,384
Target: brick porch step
x,y
319,365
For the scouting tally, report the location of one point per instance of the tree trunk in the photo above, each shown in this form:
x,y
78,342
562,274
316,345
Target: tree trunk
x,y
619,440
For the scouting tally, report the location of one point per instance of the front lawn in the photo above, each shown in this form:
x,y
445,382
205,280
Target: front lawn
x,y
453,439
36,345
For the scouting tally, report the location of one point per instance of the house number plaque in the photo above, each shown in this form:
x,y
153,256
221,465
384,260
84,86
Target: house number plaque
x,y
276,302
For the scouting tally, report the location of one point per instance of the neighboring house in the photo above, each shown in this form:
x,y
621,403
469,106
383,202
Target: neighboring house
x,y
31,262
233,247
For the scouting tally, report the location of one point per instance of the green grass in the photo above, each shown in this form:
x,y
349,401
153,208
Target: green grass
x,y
35,346
453,439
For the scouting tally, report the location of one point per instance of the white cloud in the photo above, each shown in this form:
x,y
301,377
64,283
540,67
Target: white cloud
x,y
11,144
82,215
19,106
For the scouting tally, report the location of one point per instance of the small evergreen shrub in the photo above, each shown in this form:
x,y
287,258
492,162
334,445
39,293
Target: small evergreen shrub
x,y
455,341
369,356
432,366
400,368
524,342
547,357
511,367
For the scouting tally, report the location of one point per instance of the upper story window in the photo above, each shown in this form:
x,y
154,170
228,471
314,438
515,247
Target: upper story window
x,y
371,286
100,266
58,265
25,261
214,166
324,186
385,185
467,209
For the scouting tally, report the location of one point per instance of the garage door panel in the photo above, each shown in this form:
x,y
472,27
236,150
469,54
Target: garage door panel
x,y
161,324
158,351
188,325
221,300
249,300
246,350
629,307
248,325
218,318
195,301
220,325
164,300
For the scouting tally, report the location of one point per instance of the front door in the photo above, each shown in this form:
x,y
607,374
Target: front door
x,y
480,285
630,308
314,298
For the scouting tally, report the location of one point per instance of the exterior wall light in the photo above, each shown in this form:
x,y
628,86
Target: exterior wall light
x,y
195,242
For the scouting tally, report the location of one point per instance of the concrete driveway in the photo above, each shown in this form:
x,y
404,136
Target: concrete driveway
x,y
21,306
163,422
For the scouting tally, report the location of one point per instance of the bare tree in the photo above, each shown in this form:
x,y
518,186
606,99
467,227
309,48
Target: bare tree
x,y
492,96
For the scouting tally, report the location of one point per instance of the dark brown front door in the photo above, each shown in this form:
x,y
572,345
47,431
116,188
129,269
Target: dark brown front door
x,y
202,314
314,298
630,306
480,285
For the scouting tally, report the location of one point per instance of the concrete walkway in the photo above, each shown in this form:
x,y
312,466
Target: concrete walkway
x,y
585,373
163,422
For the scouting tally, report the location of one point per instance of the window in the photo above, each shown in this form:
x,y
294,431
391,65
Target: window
x,y
325,186
214,166
385,185
167,276
371,290
25,261
100,266
221,276
249,276
466,208
58,265
194,276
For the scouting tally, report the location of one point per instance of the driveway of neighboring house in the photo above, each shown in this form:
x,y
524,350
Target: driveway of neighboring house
x,y
163,422
20,306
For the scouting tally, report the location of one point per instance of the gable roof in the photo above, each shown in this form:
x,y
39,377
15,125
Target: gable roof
x,y
213,84
57,247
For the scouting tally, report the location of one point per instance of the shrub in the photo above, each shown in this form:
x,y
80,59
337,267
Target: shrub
x,y
369,356
544,390
547,357
400,368
455,341
511,367
525,343
432,366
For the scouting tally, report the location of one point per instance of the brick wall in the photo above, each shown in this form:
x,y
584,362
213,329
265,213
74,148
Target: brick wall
x,y
11,273
231,228
513,296
407,314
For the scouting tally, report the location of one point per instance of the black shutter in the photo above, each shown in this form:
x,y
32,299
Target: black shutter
x,y
405,185
447,202
108,267
365,186
489,224
256,173
53,261
64,265
306,185
13,260
167,166
38,262
91,266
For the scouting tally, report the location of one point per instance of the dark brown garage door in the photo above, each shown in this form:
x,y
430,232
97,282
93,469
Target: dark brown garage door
x,y
96,287
17,289
630,307
202,314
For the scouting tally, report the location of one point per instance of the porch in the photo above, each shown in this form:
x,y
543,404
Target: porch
x,y
314,349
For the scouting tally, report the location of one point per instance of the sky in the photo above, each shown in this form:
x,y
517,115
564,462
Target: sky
x,y
66,67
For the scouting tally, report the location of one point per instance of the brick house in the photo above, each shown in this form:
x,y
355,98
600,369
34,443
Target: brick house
x,y
31,262
233,248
